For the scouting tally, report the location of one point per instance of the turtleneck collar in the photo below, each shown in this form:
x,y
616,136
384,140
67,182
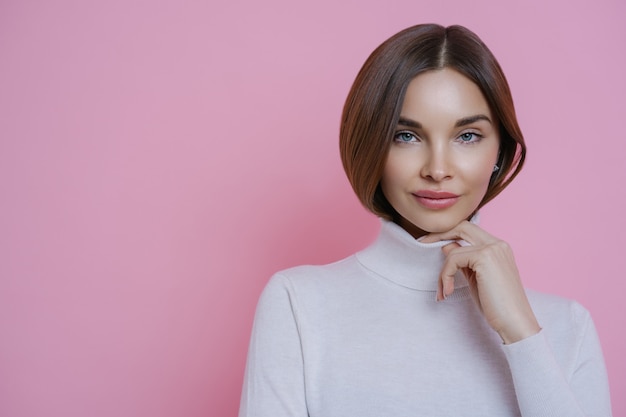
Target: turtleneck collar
x,y
400,258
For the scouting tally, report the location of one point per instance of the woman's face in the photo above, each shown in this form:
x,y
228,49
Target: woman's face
x,y
443,153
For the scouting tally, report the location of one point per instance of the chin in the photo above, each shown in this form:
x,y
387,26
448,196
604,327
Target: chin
x,y
439,228
421,227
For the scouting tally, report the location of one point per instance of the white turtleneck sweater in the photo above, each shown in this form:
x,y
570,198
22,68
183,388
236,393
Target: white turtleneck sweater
x,y
364,337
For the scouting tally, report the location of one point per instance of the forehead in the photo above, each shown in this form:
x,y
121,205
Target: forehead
x,y
444,93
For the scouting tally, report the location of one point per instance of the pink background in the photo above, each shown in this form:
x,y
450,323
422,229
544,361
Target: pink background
x,y
159,160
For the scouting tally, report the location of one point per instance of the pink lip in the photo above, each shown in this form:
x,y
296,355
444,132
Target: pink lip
x,y
435,200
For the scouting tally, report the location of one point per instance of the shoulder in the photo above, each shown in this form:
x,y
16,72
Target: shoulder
x,y
307,275
312,279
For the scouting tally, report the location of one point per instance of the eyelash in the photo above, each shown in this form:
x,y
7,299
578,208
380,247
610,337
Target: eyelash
x,y
397,136
476,137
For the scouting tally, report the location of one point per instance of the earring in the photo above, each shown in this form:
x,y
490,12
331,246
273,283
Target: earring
x,y
495,168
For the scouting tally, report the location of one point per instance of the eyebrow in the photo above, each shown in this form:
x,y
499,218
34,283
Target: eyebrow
x,y
409,123
459,123
471,119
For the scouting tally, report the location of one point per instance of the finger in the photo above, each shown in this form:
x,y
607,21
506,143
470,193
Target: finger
x,y
450,247
465,230
458,258
447,284
457,249
441,292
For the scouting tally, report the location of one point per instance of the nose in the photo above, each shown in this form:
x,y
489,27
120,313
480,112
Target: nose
x,y
437,165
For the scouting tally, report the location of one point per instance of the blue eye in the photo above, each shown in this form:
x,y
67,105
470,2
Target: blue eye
x,y
405,137
469,137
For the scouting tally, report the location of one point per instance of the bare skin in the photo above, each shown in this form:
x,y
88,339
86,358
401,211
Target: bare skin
x,y
447,141
489,266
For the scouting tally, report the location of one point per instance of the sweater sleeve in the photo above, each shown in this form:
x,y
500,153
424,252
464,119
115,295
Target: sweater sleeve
x,y
544,388
274,378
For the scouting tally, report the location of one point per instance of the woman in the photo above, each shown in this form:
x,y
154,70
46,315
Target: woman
x,y
431,319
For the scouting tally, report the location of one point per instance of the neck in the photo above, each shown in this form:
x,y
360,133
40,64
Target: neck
x,y
398,257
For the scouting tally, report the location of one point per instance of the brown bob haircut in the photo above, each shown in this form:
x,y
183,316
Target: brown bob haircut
x,y
373,106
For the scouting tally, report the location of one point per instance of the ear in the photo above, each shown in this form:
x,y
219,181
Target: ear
x,y
497,168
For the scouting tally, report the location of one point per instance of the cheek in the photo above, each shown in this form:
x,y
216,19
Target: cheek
x,y
480,165
387,181
390,172
483,176
479,173
399,169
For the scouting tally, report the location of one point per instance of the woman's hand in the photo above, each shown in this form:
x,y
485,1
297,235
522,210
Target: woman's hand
x,y
489,266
